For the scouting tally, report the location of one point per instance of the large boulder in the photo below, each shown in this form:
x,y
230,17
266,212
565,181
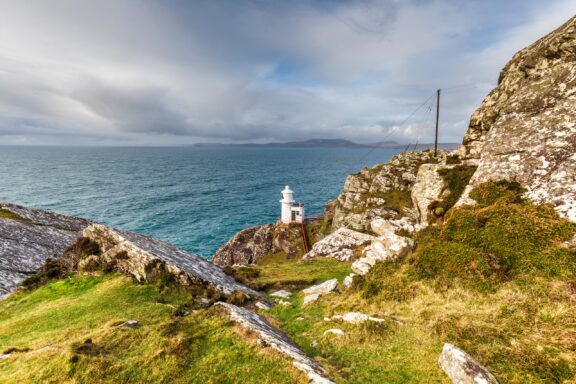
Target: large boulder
x,y
525,129
251,245
428,188
339,245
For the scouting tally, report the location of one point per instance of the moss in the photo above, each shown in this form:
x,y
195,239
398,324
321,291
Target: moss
x,y
488,244
6,214
455,180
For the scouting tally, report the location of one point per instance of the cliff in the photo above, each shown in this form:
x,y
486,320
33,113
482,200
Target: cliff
x,y
525,129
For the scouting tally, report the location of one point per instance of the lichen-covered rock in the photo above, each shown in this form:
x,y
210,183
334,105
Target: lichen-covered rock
x,y
274,338
387,246
462,368
339,245
323,288
29,238
147,259
525,129
357,318
251,245
429,187
382,191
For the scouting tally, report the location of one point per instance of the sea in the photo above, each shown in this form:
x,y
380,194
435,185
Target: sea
x,y
195,198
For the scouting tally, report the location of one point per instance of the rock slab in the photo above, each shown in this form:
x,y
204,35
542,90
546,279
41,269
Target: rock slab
x,y
461,368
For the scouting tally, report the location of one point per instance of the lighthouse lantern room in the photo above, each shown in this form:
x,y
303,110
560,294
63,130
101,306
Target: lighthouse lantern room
x,y
292,212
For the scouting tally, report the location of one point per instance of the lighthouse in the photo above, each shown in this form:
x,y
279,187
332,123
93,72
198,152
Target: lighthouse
x,y
292,212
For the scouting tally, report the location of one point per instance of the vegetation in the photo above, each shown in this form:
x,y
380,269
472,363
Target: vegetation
x,y
455,180
6,214
67,331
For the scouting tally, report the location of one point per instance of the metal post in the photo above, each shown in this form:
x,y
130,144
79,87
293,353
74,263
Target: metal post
x,y
437,117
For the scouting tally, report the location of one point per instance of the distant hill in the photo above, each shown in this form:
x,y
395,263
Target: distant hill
x,y
328,143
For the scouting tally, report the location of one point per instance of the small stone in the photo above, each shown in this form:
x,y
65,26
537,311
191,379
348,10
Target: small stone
x,y
356,318
131,324
204,300
439,211
311,298
262,306
4,356
282,293
334,331
284,303
299,318
327,319
321,289
348,280
462,368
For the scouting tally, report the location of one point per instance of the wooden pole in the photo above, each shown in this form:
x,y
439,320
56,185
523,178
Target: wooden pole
x,y
437,117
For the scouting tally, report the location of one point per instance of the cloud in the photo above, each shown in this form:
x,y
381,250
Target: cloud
x,y
173,71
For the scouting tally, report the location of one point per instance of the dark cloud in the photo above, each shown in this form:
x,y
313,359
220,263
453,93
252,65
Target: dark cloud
x,y
175,71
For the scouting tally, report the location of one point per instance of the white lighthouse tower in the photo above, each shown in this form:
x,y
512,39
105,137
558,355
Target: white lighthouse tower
x,y
292,212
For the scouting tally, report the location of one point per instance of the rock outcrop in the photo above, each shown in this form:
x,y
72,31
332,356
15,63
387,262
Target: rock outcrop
x,y
429,187
525,129
379,192
28,237
271,337
462,368
339,245
251,245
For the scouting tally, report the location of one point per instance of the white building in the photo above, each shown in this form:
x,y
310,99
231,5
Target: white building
x,y
292,212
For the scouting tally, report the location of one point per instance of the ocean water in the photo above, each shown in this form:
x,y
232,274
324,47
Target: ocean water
x,y
195,198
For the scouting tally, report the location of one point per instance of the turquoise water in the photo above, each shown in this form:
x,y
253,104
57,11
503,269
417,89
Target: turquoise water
x,y
195,198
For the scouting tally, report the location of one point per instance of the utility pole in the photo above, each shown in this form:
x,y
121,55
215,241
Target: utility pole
x,y
437,117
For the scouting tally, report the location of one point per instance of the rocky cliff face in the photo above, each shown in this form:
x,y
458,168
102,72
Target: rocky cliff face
x,y
379,192
28,237
525,129
251,245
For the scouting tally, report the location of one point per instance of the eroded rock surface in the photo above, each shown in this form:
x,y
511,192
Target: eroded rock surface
x,y
251,245
379,192
339,245
525,129
274,338
30,238
461,368
429,187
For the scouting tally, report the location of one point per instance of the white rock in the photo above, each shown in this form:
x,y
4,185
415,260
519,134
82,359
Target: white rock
x,y
429,187
334,331
339,245
314,377
327,319
284,303
356,318
282,293
4,356
348,280
462,368
299,318
131,324
311,298
263,306
322,289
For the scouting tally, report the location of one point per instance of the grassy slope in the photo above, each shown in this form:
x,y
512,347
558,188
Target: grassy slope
x,y
200,348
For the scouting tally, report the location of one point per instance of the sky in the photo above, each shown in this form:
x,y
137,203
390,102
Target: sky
x,y
173,72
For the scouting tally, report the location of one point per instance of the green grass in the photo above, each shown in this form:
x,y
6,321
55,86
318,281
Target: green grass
x,y
455,180
55,322
6,214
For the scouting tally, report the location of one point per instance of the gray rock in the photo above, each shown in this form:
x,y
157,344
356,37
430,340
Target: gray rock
x,y
281,293
461,368
348,280
429,187
311,298
323,288
525,129
274,338
334,331
131,324
262,306
339,245
357,318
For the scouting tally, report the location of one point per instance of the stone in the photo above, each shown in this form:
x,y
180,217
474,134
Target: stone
x,y
263,306
275,339
4,355
357,318
299,318
388,246
461,368
251,245
339,245
131,324
281,293
311,298
361,199
334,331
525,129
428,187
323,288
284,303
348,280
